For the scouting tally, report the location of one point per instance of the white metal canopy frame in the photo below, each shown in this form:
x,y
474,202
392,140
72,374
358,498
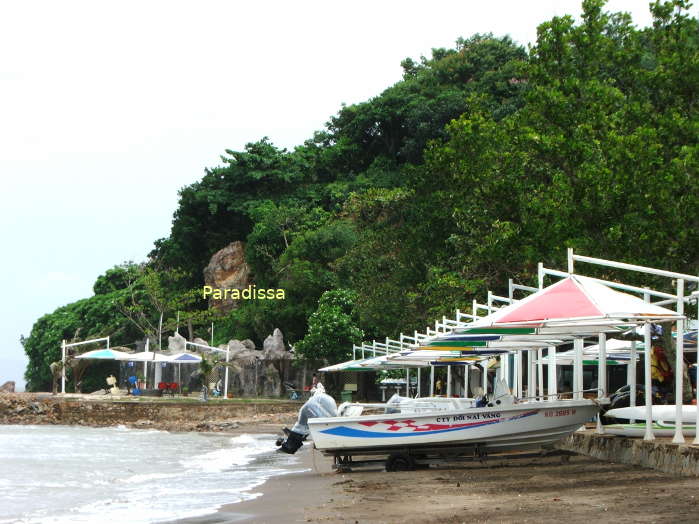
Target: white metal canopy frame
x,y
603,312
64,353
679,299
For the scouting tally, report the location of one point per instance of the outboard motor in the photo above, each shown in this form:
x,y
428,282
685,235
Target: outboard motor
x,y
319,405
393,403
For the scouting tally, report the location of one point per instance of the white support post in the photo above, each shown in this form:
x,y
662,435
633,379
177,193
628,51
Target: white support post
x,y
679,365
696,437
63,366
418,383
431,381
577,369
647,343
225,380
540,271
571,267
466,372
553,387
531,385
540,372
601,375
407,382
485,377
448,381
145,365
520,373
632,377
602,367
107,342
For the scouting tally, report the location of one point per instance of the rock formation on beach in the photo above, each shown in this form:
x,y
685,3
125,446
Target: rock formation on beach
x,y
260,372
176,343
227,269
252,372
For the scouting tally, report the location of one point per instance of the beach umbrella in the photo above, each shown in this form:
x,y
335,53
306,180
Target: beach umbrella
x,y
385,362
571,308
184,358
144,356
350,365
575,302
104,354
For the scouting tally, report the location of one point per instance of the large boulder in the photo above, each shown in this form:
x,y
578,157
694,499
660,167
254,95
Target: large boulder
x,y
242,354
227,269
255,372
271,381
273,347
177,343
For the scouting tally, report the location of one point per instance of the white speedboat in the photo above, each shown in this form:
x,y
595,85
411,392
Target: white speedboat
x,y
503,425
663,417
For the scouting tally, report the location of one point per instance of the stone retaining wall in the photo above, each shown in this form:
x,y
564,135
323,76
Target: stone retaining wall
x,y
19,409
658,454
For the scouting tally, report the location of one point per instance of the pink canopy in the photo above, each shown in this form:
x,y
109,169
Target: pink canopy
x,y
577,298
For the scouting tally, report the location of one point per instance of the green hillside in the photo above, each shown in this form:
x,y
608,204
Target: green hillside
x,y
482,161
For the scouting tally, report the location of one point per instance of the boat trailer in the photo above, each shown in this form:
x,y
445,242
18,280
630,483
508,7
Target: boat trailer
x,y
411,458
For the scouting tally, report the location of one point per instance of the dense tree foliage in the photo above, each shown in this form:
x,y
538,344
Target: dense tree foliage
x,y
482,161
332,328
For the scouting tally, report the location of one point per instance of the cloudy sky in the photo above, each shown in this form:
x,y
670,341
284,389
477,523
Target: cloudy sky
x,y
108,108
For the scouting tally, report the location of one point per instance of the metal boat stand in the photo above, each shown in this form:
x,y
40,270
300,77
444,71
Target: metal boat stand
x,y
409,459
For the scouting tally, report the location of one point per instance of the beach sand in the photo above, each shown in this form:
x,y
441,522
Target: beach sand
x,y
549,489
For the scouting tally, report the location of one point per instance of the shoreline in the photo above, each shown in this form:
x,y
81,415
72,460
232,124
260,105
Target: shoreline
x,y
281,499
497,489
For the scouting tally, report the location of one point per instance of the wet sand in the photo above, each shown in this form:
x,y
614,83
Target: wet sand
x,y
289,498
550,489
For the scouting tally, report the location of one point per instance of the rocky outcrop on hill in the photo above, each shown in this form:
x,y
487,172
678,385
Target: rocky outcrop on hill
x,y
227,269
8,387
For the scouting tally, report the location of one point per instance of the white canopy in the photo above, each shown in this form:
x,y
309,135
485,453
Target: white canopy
x,y
144,356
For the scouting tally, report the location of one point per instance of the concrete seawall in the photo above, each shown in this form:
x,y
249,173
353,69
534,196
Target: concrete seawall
x,y
660,454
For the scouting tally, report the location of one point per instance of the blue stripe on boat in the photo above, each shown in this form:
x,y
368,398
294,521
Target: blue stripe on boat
x,y
344,431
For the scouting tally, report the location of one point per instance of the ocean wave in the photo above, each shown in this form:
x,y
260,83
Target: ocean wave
x,y
118,475
243,450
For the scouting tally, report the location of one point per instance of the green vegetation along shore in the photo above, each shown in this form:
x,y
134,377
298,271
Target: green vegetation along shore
x,y
483,160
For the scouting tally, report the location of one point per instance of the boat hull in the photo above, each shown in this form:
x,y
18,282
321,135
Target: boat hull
x,y
521,426
660,429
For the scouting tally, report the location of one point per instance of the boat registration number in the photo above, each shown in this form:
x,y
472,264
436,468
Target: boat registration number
x,y
559,412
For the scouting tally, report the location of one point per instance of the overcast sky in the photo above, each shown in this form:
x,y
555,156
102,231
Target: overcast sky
x,y
108,108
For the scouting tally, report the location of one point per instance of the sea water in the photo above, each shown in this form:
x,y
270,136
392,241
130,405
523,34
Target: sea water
x,y
74,474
